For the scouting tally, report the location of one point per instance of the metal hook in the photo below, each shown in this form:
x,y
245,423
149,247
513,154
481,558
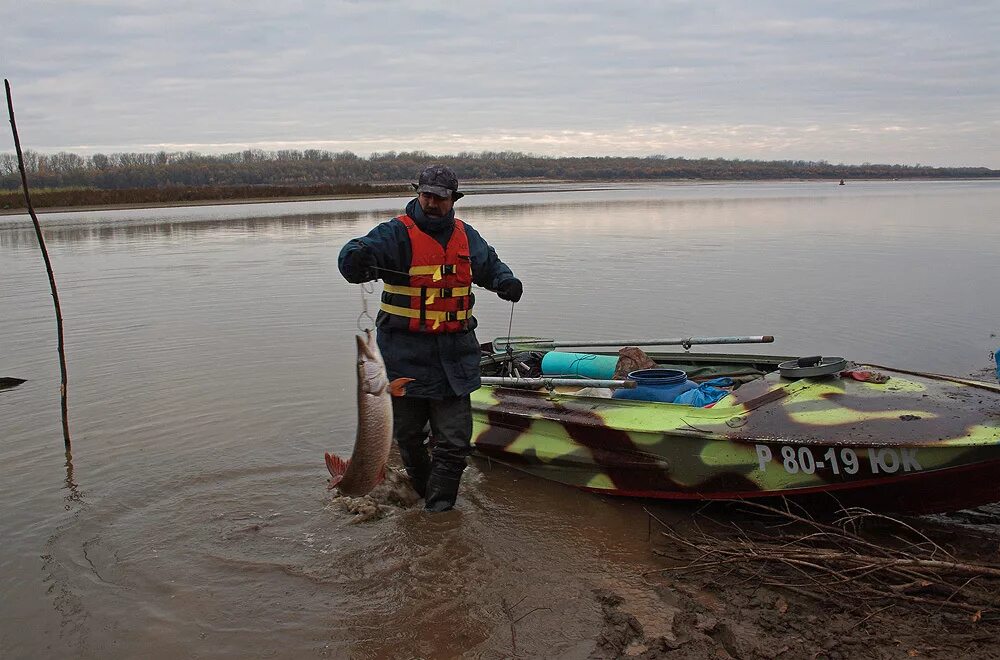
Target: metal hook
x,y
367,327
366,287
510,350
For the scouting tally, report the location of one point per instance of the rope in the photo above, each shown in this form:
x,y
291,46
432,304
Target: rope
x,y
510,351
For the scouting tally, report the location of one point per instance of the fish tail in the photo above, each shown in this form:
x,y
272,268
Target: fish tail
x,y
337,467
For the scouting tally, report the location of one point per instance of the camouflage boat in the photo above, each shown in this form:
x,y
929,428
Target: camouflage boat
x,y
916,443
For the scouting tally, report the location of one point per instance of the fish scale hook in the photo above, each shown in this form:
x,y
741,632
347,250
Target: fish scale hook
x,y
366,288
510,351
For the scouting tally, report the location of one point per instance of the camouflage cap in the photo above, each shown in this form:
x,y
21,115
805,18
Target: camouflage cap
x,y
439,180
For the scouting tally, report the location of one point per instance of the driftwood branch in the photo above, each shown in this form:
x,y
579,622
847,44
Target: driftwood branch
x,y
839,563
508,611
64,384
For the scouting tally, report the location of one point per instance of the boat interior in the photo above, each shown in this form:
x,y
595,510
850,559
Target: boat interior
x,y
699,366
540,369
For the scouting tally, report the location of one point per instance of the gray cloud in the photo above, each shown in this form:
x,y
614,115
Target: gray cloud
x,y
849,82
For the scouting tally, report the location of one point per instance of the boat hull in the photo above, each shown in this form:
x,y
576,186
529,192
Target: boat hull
x,y
918,443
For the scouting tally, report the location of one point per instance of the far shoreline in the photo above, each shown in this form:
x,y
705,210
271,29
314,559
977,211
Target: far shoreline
x,y
196,202
599,185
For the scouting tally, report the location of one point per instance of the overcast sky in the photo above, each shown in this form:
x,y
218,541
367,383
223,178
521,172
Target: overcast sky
x,y
846,81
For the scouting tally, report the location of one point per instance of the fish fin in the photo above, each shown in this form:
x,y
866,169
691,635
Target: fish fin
x,y
398,386
381,476
337,467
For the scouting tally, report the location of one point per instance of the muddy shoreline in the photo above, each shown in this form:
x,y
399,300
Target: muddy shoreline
x,y
663,609
480,187
476,187
723,613
198,202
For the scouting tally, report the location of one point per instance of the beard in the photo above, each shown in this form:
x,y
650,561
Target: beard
x,y
433,211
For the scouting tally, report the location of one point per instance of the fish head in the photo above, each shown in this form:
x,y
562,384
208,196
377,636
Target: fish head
x,y
367,347
372,378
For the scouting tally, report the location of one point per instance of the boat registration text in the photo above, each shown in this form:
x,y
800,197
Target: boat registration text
x,y
839,460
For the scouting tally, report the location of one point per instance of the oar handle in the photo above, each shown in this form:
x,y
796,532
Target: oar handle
x,y
674,341
534,383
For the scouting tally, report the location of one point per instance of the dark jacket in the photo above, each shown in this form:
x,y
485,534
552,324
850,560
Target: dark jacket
x,y
441,364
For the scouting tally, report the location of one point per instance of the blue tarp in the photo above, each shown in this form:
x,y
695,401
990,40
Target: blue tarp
x,y
705,394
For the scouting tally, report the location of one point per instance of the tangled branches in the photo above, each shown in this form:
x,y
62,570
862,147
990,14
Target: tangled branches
x,y
861,560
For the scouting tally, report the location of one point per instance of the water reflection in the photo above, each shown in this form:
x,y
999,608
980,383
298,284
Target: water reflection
x,y
137,231
212,358
602,212
75,495
695,202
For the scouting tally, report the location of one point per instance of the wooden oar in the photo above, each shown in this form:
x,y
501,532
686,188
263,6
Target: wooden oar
x,y
500,344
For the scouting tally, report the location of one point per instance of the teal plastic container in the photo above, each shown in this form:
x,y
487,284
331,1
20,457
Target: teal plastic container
x,y
663,385
588,365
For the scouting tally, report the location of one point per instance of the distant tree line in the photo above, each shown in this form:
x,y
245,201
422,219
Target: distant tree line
x,y
254,167
166,195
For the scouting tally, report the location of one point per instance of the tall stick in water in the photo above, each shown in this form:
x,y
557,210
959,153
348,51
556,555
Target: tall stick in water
x,y
48,268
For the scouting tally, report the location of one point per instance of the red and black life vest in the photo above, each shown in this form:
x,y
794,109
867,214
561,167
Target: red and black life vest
x,y
437,297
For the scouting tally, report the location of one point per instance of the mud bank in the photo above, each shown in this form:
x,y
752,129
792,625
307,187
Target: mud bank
x,y
646,608
725,613
706,619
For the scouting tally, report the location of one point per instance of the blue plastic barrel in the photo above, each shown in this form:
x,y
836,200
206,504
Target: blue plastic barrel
x,y
602,367
662,385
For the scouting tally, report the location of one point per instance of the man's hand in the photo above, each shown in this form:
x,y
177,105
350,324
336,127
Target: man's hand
x,y
510,289
363,264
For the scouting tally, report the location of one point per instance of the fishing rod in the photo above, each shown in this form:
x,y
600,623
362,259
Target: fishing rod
x,y
399,272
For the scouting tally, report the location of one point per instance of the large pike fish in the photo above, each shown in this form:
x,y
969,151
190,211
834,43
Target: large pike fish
x,y
366,467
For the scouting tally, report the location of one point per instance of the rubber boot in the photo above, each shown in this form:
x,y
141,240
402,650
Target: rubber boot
x,y
417,462
442,491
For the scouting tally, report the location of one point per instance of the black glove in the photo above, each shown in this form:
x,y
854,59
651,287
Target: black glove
x,y
363,264
510,289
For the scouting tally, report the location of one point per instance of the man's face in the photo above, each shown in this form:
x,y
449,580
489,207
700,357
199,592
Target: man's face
x,y
433,205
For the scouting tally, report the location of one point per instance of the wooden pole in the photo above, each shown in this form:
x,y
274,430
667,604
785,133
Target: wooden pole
x,y
48,268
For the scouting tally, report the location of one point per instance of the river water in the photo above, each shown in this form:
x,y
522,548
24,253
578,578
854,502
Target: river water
x,y
211,358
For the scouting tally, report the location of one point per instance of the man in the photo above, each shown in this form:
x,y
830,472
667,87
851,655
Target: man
x,y
428,260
